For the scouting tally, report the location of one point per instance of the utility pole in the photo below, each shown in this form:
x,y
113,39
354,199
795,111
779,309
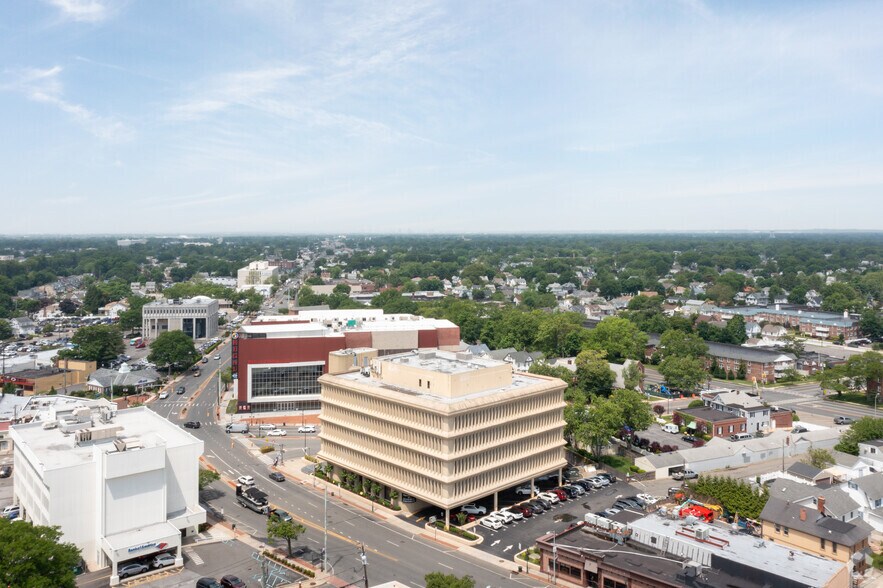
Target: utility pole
x,y
364,564
265,572
325,525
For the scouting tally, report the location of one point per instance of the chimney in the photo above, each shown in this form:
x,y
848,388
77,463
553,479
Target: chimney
x,y
821,502
802,514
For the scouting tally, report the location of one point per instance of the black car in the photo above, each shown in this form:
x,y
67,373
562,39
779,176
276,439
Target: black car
x,y
192,425
232,582
571,493
5,471
609,477
632,503
276,477
180,390
208,583
689,438
639,501
584,484
536,503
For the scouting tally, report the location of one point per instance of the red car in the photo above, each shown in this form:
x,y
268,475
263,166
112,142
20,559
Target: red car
x,y
561,494
525,510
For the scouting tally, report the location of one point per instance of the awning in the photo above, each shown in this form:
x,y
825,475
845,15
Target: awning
x,y
691,425
143,541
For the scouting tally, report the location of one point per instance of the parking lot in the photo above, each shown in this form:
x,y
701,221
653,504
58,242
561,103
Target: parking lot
x,y
655,433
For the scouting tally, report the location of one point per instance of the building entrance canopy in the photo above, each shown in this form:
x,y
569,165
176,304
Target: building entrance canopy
x,y
140,542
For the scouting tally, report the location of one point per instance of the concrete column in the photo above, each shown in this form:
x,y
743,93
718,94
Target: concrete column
x,y
496,499
179,559
114,574
532,482
560,476
447,518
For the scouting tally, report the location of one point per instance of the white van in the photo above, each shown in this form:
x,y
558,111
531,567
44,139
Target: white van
x,y
671,428
741,437
237,428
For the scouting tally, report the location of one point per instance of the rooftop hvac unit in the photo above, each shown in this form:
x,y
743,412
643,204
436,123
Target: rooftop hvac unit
x,y
50,424
691,569
702,533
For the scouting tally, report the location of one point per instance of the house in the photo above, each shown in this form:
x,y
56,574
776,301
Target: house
x,y
740,404
835,501
760,365
752,329
520,360
810,530
867,491
757,299
714,422
847,466
773,332
871,452
619,370
113,309
23,326
809,473
811,362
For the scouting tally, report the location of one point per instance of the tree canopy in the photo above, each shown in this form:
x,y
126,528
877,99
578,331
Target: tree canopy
x,y
33,556
864,429
619,338
442,580
99,343
173,348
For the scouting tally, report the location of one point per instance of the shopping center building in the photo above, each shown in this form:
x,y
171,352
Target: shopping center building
x,y
120,484
277,360
444,428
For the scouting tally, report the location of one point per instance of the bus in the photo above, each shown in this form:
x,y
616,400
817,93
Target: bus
x,y
136,341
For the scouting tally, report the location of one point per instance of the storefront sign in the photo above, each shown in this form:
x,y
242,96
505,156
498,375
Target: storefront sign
x,y
147,546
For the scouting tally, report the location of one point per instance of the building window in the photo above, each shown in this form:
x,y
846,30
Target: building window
x,y
730,429
420,383
785,530
427,384
822,543
778,528
608,583
833,547
285,380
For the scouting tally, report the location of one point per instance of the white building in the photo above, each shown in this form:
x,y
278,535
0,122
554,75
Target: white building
x,y
736,402
120,484
255,273
197,317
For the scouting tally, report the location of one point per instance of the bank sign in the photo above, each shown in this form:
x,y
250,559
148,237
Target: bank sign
x,y
147,546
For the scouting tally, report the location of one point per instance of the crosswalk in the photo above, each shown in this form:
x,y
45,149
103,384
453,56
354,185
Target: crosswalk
x,y
194,557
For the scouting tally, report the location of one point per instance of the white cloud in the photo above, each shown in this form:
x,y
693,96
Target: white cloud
x,y
43,85
82,10
231,89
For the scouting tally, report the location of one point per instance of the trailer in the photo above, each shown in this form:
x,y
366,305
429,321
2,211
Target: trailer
x,y
252,498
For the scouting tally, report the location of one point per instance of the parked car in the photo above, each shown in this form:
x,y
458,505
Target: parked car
x,y
276,477
11,512
232,582
277,433
204,360
621,504
575,490
515,512
491,523
506,516
544,504
648,498
605,476
603,481
671,428
132,569
550,497
684,475
6,471
632,503
245,480
799,429
473,509
640,502
526,491
306,429
163,560
584,484
612,511
689,438
595,483
266,427
208,583
192,425
843,420
568,494
279,514
163,395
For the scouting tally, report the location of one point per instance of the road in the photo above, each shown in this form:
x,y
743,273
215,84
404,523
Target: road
x,y
392,553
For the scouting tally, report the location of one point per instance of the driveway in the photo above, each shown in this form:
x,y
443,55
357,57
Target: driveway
x,y
655,433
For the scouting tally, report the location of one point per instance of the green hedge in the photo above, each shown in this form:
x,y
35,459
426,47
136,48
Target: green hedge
x,y
288,564
453,530
736,496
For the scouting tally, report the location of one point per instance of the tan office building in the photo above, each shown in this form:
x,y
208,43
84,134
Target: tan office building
x,y
446,428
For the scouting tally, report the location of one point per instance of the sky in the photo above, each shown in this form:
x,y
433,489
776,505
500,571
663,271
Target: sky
x,y
255,116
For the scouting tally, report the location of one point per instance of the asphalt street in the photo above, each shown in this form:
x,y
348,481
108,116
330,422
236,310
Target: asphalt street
x,y
392,553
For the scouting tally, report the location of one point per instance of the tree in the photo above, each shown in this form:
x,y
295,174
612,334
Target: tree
x,y
131,319
48,329
593,373
659,409
5,329
342,288
278,528
173,348
632,376
721,293
818,458
636,413
33,556
227,377
742,371
94,299
99,343
206,477
442,580
68,306
872,324
793,344
619,338
561,335
696,404
392,302
735,330
681,344
686,373
602,419
864,429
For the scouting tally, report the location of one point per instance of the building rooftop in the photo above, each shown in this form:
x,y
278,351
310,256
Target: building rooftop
x,y
57,447
37,373
333,323
788,514
872,485
708,414
804,470
759,558
872,442
734,399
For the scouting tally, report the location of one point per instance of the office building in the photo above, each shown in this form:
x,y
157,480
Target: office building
x,y
444,428
277,360
255,273
197,317
120,484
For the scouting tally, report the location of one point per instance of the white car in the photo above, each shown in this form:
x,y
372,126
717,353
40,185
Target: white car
x,y
648,498
473,509
163,395
245,480
503,515
553,498
514,512
525,490
277,433
217,357
306,429
491,523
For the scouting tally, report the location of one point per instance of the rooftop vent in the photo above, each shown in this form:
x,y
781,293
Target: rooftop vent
x,y
426,355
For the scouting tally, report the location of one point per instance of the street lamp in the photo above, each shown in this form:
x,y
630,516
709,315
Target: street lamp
x,y
876,396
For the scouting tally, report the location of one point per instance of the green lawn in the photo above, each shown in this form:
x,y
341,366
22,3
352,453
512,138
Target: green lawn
x,y
853,397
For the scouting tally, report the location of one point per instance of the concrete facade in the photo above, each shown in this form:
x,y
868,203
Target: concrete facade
x,y
119,484
197,317
256,273
443,427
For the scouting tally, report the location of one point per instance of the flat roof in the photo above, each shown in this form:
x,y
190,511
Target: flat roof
x,y
317,327
54,449
744,549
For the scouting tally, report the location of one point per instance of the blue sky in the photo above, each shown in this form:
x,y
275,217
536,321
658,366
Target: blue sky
x,y
289,117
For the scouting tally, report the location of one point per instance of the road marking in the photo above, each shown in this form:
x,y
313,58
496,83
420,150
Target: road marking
x,y
495,542
392,542
445,566
349,523
194,557
507,548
